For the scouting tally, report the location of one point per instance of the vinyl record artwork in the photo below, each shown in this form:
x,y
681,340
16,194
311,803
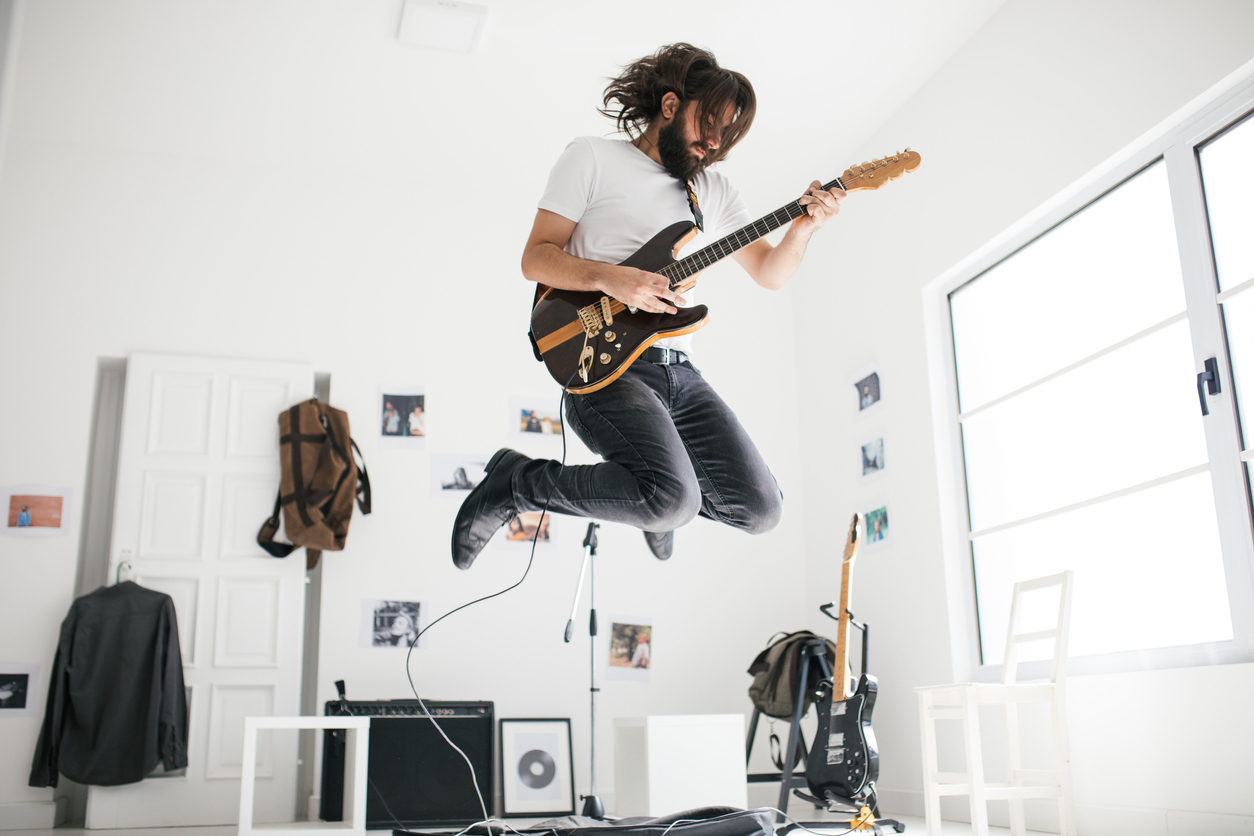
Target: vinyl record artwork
x,y
536,775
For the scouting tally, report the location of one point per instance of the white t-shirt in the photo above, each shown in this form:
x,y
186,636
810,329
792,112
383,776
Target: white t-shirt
x,y
619,198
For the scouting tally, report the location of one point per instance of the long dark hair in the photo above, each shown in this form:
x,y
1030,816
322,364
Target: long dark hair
x,y
692,74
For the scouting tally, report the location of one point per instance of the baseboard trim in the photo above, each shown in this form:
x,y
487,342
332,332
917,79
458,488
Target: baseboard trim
x,y
33,815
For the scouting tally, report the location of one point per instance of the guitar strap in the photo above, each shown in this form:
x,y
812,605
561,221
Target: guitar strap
x,y
694,206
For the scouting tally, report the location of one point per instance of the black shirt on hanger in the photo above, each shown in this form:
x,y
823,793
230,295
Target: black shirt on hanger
x,y
116,705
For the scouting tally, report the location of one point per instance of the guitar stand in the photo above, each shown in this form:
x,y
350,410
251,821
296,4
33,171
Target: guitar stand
x,y
865,810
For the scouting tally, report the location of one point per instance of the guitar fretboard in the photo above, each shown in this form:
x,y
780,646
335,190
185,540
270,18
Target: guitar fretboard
x,y
720,249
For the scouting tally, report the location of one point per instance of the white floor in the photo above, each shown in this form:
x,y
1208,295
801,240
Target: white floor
x,y
914,826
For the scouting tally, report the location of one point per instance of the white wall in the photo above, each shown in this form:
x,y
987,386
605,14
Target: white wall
x,y
1041,94
241,179
219,179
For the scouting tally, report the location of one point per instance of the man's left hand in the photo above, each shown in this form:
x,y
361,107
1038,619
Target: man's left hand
x,y
821,206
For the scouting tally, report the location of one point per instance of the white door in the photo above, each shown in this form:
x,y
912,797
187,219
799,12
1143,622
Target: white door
x,y
198,470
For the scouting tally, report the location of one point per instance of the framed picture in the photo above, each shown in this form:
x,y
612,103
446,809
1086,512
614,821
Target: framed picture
x,y
456,474
18,683
877,530
872,455
403,416
35,512
390,623
522,528
867,388
535,417
536,775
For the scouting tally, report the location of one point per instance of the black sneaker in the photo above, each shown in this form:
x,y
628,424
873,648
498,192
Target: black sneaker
x,y
488,507
661,544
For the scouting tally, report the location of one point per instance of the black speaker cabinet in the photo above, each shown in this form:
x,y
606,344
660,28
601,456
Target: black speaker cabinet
x,y
415,777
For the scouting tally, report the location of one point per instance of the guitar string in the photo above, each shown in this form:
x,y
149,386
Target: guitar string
x,y
749,233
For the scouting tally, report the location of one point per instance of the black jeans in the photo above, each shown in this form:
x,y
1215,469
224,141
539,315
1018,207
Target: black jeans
x,y
672,448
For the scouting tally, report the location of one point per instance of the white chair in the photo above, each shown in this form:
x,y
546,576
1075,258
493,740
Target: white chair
x,y
962,702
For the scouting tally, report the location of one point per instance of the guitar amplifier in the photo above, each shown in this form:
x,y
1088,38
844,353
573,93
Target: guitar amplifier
x,y
415,779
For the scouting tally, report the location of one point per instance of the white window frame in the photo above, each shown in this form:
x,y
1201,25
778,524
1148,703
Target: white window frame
x,y
1174,141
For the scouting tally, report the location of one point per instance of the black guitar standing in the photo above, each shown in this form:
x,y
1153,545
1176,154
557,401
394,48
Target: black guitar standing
x,y
844,763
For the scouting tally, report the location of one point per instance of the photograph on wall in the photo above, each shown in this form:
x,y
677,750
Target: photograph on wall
x,y
522,528
36,512
872,455
866,384
455,474
536,775
403,418
631,649
876,516
390,623
535,418
17,689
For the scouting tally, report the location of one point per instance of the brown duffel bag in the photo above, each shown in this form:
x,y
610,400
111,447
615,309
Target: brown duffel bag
x,y
320,480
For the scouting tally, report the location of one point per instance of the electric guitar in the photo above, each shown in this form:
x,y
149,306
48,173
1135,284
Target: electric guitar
x,y
844,761
587,339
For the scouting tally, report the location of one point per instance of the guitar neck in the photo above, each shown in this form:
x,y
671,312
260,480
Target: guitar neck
x,y
720,249
840,677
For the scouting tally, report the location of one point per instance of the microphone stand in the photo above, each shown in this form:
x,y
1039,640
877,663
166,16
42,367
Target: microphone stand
x,y
592,806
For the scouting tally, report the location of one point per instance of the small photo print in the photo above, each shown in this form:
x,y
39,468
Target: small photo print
x,y
403,416
389,623
868,391
877,525
873,456
36,512
631,650
535,417
17,684
454,474
522,528
13,689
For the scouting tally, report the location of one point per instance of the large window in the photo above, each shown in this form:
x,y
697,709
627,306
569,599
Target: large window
x,y
1073,407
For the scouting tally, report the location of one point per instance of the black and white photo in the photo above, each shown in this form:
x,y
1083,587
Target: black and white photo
x,y
17,685
387,623
456,474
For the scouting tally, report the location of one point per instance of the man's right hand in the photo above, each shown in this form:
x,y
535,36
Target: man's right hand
x,y
641,290
545,260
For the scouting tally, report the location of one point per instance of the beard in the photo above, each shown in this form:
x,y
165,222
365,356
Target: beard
x,y
677,155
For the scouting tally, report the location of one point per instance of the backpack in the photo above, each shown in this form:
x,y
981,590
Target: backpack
x,y
319,481
776,671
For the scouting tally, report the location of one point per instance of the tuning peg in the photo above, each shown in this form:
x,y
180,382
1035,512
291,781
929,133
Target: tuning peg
x,y
907,149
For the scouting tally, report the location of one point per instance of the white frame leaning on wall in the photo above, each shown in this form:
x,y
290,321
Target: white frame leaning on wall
x,y
1176,142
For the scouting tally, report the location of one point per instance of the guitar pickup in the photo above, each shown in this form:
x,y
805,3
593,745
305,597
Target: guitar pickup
x,y
606,314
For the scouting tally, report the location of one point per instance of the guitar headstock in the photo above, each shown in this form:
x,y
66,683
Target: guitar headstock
x,y
856,529
875,173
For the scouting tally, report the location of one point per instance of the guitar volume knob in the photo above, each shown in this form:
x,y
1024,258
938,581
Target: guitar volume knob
x,y
605,358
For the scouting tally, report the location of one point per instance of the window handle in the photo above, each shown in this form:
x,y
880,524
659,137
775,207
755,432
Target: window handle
x,y
1210,378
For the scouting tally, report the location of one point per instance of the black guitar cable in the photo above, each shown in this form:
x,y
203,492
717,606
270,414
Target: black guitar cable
x,y
409,674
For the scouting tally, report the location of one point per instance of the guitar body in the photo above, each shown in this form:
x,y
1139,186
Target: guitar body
x,y
844,760
560,335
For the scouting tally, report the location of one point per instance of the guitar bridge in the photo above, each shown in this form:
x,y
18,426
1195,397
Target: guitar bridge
x,y
591,320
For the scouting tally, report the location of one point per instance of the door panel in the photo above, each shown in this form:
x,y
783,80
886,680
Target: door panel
x,y
198,469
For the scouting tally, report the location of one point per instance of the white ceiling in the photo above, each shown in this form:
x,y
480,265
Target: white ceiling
x,y
317,77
